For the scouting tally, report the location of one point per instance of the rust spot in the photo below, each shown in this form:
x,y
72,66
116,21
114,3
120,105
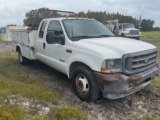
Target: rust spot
x,y
109,77
134,89
133,79
105,78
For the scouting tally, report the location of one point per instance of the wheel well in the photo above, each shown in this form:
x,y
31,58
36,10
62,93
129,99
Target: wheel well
x,y
74,65
18,49
122,34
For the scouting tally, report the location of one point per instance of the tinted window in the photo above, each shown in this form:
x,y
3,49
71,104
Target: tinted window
x,y
43,26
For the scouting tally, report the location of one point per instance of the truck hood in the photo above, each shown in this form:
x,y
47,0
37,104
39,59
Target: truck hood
x,y
114,46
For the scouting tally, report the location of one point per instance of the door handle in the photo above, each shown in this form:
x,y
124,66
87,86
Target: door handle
x,y
44,45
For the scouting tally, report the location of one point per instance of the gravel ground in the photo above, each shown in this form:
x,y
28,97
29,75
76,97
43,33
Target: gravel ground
x,y
139,104
5,47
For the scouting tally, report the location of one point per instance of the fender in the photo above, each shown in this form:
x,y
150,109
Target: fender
x,y
85,60
19,47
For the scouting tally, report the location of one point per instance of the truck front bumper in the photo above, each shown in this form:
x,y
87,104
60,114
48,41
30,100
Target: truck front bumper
x,y
132,36
114,86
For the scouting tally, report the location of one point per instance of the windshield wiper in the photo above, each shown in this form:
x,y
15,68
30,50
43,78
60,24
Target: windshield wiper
x,y
105,36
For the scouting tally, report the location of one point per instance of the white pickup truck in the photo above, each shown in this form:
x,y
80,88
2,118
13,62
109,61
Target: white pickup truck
x,y
97,62
123,29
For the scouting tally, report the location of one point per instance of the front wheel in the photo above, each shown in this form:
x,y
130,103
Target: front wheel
x,y
22,60
85,85
138,38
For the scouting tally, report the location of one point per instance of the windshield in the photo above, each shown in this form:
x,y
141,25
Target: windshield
x,y
125,26
78,29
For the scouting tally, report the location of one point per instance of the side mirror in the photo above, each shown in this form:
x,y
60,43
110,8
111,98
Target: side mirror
x,y
52,39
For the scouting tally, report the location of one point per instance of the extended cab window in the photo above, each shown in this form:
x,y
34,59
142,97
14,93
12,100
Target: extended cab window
x,y
55,26
43,26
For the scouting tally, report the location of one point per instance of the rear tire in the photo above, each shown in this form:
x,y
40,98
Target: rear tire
x,y
85,85
22,60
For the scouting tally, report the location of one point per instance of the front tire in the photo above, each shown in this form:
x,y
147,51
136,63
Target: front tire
x,y
138,38
22,60
85,85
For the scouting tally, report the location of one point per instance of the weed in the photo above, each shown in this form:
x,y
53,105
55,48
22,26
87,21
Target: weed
x,y
16,82
69,113
9,112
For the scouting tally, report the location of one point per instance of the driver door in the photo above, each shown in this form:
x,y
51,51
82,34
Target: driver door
x,y
52,51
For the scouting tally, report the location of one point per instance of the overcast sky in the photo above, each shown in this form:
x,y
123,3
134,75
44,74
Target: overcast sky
x,y
13,11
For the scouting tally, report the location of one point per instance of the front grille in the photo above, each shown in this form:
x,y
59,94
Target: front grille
x,y
139,62
134,32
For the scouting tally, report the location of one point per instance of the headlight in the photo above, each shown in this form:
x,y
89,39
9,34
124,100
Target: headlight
x,y
111,66
140,33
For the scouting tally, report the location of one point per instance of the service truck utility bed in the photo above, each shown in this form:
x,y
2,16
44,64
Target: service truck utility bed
x,y
26,41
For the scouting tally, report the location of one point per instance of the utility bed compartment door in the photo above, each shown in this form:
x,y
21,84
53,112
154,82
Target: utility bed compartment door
x,y
26,40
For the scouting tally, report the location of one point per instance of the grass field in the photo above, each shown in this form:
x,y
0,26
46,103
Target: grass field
x,y
0,38
154,38
19,85
151,35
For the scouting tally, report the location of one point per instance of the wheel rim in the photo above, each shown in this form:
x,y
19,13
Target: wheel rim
x,y
82,84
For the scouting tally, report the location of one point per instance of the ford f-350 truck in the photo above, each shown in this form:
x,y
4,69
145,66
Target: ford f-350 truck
x,y
97,62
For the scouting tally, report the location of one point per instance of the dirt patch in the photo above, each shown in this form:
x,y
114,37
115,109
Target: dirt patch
x,y
139,104
5,47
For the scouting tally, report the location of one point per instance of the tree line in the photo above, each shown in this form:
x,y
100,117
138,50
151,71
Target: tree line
x,y
144,25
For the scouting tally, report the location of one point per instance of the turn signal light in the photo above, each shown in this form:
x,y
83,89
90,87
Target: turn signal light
x,y
103,70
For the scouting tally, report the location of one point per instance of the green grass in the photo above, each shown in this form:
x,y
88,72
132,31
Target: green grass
x,y
12,113
155,85
13,81
31,90
69,113
16,82
151,35
0,38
